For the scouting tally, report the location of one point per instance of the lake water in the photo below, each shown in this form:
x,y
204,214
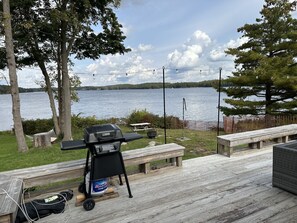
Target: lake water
x,y
201,104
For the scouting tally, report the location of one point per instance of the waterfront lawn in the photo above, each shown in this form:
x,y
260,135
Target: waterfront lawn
x,y
201,143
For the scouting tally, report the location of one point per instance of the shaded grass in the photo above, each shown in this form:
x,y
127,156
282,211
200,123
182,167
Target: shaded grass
x,y
201,143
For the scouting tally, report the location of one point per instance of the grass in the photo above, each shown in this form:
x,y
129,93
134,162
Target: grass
x,y
201,143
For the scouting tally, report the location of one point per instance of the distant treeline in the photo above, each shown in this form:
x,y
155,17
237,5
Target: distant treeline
x,y
4,89
209,83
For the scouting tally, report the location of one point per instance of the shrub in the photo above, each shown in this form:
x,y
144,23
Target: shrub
x,y
83,122
173,122
139,116
32,127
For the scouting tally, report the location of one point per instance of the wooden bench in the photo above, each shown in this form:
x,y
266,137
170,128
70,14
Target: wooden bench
x,y
255,138
42,175
10,192
141,126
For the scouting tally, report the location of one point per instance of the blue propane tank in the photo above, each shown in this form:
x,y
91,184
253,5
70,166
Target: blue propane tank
x,y
98,187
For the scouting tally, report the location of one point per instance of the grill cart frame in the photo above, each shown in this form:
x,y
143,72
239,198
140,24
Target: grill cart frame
x,y
104,158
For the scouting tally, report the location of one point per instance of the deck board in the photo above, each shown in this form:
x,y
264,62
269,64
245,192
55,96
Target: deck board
x,y
207,189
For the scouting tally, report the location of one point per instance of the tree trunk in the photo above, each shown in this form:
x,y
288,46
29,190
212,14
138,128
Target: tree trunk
x,y
65,86
66,100
268,103
41,63
51,97
16,110
60,89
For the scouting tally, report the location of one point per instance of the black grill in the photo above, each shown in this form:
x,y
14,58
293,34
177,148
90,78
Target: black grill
x,y
104,148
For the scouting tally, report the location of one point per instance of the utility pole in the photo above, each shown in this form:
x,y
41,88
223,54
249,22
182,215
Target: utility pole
x,y
164,105
219,105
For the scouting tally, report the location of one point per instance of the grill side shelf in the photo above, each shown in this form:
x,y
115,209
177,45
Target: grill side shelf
x,y
73,145
131,136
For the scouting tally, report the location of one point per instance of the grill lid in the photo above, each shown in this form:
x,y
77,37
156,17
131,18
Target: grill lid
x,y
103,133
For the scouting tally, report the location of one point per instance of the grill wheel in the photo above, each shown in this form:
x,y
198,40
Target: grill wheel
x,y
89,204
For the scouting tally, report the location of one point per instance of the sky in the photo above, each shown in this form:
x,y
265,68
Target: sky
x,y
186,38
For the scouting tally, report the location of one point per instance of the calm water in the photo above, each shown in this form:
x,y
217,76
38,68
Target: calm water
x,y
201,104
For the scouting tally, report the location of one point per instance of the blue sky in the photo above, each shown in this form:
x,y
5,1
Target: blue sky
x,y
188,37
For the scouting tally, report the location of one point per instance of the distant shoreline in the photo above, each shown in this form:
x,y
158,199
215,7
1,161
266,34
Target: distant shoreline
x,y
4,89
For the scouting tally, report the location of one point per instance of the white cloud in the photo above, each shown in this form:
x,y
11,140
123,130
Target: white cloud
x,y
200,38
191,51
144,47
237,42
129,68
126,29
198,58
218,54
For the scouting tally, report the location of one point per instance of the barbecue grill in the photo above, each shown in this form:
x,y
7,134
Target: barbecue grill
x,y
104,148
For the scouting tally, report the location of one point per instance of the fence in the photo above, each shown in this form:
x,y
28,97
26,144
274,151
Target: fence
x,y
233,124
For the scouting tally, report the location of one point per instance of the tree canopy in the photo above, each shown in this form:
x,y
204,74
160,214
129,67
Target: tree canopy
x,y
49,33
265,80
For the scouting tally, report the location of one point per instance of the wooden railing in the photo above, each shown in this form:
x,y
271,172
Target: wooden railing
x,y
234,124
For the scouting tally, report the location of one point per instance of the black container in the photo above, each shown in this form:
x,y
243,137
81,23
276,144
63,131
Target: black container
x,y
284,174
152,133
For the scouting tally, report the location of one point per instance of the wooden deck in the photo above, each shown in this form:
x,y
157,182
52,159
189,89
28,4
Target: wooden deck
x,y
208,189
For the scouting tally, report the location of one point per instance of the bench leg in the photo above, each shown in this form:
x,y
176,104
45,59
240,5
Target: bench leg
x,y
285,139
176,161
179,161
253,145
229,151
172,161
145,168
278,140
259,145
221,149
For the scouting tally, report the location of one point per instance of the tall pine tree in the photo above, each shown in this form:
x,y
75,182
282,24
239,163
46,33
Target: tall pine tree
x,y
265,80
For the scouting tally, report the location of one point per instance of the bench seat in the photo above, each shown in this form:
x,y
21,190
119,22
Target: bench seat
x,y
255,138
45,174
10,192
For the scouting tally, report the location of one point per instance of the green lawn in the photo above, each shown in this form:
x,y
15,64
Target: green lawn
x,y
201,143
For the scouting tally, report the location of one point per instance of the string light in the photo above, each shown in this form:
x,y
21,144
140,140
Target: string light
x,y
150,70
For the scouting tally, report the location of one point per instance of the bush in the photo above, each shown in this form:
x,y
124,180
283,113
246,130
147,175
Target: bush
x,y
173,122
84,122
139,116
32,127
